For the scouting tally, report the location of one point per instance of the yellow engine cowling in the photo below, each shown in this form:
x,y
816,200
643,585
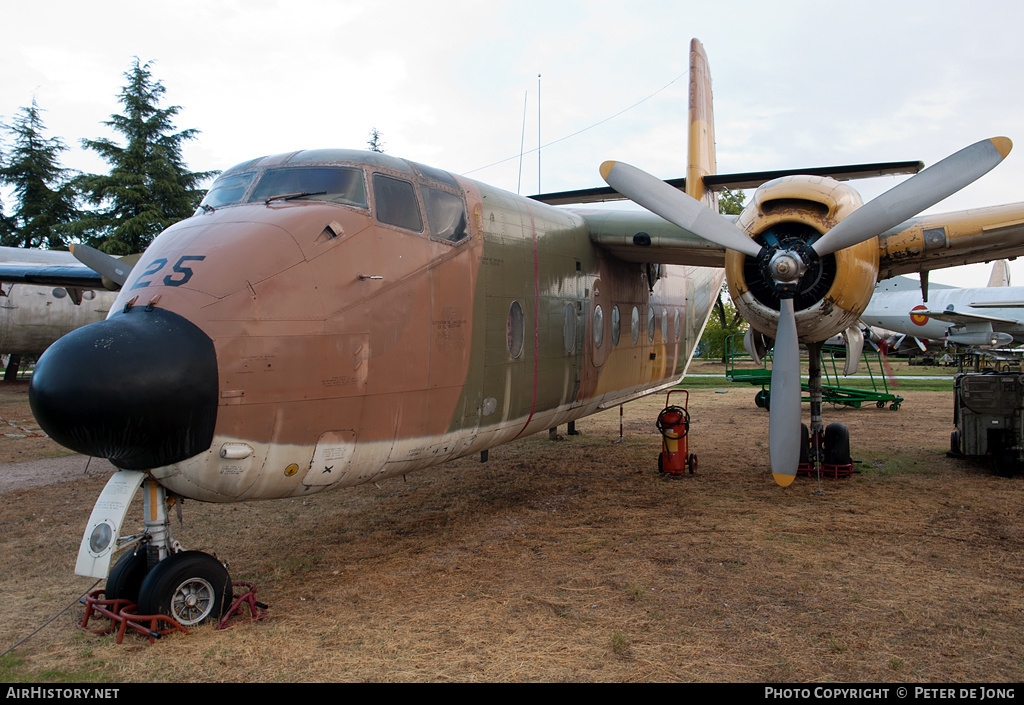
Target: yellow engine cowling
x,y
835,291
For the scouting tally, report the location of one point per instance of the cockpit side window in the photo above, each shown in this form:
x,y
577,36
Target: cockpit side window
x,y
228,189
446,214
321,183
396,204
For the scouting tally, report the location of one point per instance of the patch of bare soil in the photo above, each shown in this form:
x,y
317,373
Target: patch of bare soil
x,y
574,560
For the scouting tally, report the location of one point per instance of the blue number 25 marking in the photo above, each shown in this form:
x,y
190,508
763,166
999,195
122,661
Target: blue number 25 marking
x,y
180,275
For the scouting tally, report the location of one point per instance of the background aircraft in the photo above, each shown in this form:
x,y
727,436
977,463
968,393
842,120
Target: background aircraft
x,y
967,317
332,317
50,294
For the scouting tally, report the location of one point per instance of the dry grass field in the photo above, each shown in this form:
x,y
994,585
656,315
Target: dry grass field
x,y
573,560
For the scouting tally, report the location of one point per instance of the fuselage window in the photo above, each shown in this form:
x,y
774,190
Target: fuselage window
x,y
515,329
664,325
598,326
321,183
650,323
569,328
446,214
634,325
678,330
395,202
616,325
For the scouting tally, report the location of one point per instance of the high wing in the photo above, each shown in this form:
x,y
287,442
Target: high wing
x,y
642,237
82,269
952,239
920,244
66,276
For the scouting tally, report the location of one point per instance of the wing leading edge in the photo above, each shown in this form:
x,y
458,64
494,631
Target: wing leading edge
x,y
918,245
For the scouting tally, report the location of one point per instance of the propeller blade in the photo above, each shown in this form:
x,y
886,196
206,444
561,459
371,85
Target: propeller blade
x,y
784,414
100,262
915,194
853,337
676,207
755,345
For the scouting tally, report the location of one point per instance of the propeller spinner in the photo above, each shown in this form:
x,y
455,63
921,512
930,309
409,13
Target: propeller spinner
x,y
787,262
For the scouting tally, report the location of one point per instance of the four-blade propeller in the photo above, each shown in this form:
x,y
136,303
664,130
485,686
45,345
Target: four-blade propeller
x,y
788,264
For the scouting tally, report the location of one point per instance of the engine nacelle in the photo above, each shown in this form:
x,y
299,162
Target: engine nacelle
x,y
835,290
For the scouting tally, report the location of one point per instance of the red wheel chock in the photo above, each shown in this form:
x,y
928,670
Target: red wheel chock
x,y
122,615
828,471
257,610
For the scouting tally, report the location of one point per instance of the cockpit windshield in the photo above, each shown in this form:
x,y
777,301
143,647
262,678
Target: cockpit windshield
x,y
322,183
228,189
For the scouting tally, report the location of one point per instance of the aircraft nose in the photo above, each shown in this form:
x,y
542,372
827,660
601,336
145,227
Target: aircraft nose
x,y
139,388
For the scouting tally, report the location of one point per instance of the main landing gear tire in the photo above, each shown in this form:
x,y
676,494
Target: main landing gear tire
x,y
191,587
126,577
837,444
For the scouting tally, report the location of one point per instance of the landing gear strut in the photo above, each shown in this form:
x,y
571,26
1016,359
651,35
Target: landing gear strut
x,y
824,450
190,587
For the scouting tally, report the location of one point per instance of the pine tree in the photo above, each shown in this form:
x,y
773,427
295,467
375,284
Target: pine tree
x,y
46,203
149,187
375,143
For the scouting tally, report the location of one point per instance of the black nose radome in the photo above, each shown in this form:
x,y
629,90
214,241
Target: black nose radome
x,y
139,388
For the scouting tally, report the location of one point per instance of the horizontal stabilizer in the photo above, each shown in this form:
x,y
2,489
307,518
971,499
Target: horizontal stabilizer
x,y
746,180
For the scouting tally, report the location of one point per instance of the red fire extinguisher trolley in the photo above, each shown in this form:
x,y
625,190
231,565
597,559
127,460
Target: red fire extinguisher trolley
x,y
674,424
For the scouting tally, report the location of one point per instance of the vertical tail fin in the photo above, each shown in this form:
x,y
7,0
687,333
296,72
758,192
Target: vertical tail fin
x,y
701,158
1000,274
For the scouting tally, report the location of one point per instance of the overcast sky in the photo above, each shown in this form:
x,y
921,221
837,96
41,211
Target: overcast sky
x,y
447,83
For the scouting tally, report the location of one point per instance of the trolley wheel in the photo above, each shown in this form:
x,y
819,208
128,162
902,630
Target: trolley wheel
x,y
759,399
691,462
880,404
954,443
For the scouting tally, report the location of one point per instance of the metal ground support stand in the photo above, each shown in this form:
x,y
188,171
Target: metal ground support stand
x,y
122,616
257,610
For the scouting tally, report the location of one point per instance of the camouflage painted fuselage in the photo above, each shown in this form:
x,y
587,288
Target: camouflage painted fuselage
x,y
349,349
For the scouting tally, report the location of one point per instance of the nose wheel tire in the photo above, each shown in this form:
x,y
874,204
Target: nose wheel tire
x,y
191,587
126,577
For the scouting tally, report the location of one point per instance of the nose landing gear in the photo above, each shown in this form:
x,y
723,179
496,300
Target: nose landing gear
x,y
189,587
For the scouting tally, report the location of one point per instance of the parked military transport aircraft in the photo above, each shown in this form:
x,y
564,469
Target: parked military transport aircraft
x,y
33,316
970,317
332,317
